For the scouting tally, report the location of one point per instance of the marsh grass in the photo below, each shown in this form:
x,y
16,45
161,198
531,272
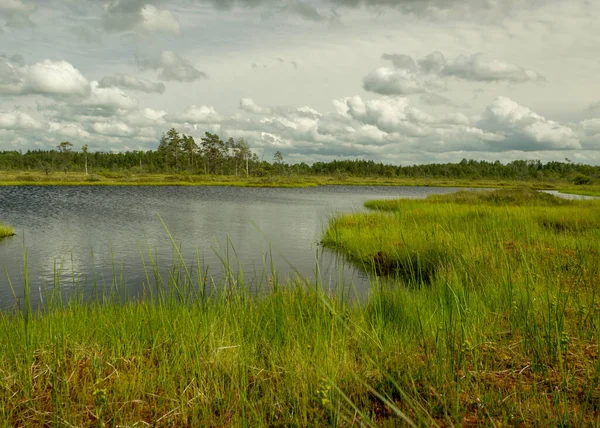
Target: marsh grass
x,y
501,290
503,329
127,178
6,231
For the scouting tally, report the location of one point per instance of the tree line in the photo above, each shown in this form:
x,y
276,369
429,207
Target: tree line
x,y
180,153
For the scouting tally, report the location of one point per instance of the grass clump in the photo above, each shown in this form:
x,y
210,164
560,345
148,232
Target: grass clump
x,y
501,288
6,231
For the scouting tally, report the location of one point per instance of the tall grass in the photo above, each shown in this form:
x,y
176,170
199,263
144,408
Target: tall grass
x,y
501,291
6,231
498,324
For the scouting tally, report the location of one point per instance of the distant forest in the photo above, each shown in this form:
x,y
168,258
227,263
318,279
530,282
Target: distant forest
x,y
179,153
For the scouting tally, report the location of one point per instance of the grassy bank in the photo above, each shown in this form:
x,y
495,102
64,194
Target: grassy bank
x,y
500,292
6,231
492,319
132,179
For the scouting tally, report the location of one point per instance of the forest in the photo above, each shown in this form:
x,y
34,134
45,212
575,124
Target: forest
x,y
180,153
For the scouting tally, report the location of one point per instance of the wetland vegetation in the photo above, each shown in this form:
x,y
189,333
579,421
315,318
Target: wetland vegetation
x,y
6,231
488,314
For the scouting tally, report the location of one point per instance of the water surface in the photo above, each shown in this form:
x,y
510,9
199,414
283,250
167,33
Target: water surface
x,y
92,235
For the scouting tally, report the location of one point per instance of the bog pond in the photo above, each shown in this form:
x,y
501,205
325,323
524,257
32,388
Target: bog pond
x,y
92,237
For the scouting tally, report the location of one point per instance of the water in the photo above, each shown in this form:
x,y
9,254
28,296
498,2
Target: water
x,y
568,195
90,235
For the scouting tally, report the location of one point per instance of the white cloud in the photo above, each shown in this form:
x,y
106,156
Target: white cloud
x,y
172,67
18,120
478,68
407,78
248,105
388,81
525,130
154,19
53,78
112,128
138,15
197,114
133,83
69,130
111,99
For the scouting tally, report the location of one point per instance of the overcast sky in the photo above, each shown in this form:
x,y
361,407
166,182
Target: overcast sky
x,y
397,81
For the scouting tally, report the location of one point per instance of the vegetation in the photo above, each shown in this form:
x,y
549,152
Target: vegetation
x,y
491,316
495,296
179,154
5,231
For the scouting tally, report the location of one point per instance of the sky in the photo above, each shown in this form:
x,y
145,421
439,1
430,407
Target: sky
x,y
396,81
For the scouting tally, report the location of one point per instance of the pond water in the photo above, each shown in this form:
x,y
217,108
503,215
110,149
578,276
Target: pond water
x,y
80,237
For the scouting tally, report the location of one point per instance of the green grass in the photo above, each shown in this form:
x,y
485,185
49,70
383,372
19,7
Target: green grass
x,y
6,231
491,317
508,282
29,178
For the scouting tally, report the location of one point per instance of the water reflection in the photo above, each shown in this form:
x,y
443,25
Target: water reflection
x,y
101,235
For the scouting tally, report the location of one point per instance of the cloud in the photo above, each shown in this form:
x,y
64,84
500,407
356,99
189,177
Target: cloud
x,y
248,105
197,115
401,61
18,120
69,130
305,11
100,102
522,129
86,34
132,83
16,13
433,63
140,16
594,106
478,68
53,78
432,99
432,71
172,67
400,81
154,19
112,128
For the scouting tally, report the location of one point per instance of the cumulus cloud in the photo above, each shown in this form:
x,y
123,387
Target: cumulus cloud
x,y
433,62
132,83
112,128
197,115
401,61
388,81
17,120
54,78
410,77
100,102
478,68
154,19
522,129
69,130
172,67
248,105
138,15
